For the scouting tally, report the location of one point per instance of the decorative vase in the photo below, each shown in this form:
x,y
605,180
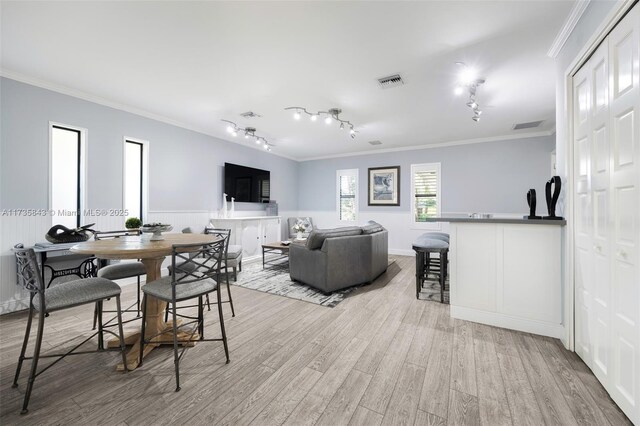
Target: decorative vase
x,y
298,235
224,206
233,207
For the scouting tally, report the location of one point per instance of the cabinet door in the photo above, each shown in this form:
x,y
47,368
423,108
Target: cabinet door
x,y
251,238
271,230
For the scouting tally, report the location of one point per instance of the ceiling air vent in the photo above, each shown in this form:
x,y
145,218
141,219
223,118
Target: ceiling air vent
x,y
528,125
250,114
375,143
390,81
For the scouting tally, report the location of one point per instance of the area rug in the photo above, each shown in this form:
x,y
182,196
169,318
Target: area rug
x,y
277,281
431,290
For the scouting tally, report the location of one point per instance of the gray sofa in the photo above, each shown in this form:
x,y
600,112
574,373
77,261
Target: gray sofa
x,y
333,259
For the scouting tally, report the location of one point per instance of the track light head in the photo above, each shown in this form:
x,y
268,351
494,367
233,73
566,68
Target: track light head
x,y
230,129
296,115
476,118
458,91
328,119
313,117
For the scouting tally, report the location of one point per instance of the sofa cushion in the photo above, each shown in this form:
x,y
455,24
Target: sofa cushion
x,y
371,228
317,236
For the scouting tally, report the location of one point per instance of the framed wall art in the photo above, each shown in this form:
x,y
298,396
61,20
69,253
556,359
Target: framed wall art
x,y
384,186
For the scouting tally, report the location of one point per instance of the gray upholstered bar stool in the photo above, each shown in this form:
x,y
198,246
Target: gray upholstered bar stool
x,y
424,247
432,263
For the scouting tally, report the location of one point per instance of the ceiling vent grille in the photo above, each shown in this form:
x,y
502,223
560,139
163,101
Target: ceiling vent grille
x,y
390,81
250,114
528,125
375,143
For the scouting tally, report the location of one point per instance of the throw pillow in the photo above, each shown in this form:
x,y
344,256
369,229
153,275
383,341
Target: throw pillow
x,y
305,222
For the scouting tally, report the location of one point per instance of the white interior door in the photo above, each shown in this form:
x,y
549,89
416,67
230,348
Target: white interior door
x,y
600,320
607,213
583,212
624,42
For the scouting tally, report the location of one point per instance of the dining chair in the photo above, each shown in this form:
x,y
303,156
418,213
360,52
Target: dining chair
x,y
119,271
56,298
196,273
224,233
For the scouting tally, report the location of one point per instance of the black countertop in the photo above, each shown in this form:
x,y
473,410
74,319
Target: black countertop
x,y
466,218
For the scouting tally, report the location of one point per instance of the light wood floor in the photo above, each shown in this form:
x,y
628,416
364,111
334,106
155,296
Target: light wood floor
x,y
379,357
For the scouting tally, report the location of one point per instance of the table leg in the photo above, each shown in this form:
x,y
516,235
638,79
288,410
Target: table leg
x,y
155,324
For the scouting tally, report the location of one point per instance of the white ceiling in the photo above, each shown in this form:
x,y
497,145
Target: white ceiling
x,y
196,63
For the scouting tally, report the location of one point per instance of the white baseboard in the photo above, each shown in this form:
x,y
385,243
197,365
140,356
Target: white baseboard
x,y
401,252
507,321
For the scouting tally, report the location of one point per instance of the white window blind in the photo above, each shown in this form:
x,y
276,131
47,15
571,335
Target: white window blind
x,y
425,192
347,191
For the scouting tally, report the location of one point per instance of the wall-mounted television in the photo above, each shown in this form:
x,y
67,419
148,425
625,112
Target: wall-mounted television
x,y
247,184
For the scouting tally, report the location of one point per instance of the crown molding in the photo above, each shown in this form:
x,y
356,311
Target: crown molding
x,y
567,28
143,113
121,107
437,145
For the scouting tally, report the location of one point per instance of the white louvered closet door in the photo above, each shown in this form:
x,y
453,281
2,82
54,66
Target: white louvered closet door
x,y
607,213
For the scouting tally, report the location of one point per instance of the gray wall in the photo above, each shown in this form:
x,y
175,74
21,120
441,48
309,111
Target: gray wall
x,y
185,167
487,177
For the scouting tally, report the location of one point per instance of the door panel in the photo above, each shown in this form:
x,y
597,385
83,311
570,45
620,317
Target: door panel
x,y
624,100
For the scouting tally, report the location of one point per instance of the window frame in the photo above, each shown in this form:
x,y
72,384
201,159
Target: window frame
x,y
144,163
426,167
81,192
347,172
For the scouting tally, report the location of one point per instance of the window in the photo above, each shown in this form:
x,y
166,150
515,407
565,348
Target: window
x,y
66,185
425,193
135,178
347,191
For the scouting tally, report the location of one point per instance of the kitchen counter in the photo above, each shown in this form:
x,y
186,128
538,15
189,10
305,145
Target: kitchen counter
x,y
506,272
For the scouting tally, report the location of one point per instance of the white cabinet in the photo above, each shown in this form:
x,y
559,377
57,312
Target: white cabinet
x,y
251,233
606,147
507,275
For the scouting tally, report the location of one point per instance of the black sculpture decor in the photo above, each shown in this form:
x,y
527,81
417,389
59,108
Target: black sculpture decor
x,y
552,200
531,200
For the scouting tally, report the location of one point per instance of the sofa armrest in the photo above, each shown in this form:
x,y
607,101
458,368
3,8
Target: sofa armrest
x,y
308,266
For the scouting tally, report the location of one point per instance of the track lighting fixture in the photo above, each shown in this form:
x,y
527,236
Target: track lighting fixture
x,y
468,78
249,132
329,117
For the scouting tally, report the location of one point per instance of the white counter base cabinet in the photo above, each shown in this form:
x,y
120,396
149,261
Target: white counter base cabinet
x,y
507,275
251,233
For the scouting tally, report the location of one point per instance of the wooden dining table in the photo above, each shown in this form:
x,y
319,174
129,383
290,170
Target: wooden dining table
x,y
151,254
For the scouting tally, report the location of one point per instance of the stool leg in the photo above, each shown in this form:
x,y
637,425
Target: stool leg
x,y
443,274
419,272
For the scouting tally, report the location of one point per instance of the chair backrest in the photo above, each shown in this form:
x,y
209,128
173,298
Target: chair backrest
x,y
196,262
28,273
306,222
225,233
100,235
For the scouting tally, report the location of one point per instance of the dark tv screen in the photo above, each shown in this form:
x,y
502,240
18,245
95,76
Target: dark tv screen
x,y
246,184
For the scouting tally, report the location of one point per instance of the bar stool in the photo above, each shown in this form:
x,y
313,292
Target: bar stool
x,y
425,264
432,263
